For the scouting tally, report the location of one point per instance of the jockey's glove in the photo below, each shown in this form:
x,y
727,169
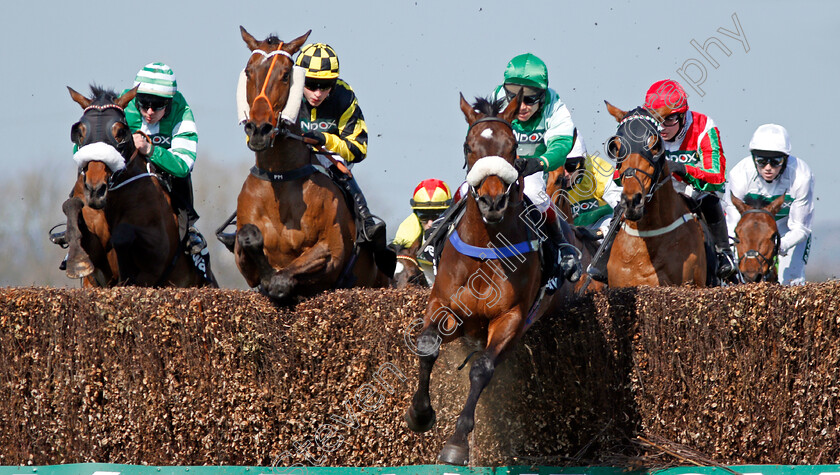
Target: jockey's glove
x,y
319,137
678,168
528,166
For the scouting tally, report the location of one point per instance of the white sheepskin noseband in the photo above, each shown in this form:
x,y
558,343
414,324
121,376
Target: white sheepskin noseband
x,y
99,152
492,165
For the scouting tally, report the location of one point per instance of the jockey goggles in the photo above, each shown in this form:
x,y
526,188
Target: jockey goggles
x,y
427,215
532,96
145,102
775,161
319,84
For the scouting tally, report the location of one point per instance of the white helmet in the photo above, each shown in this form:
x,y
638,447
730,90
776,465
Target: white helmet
x,y
772,138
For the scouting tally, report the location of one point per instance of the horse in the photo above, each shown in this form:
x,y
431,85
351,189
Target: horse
x,y
758,240
557,187
475,295
121,228
408,271
660,242
294,230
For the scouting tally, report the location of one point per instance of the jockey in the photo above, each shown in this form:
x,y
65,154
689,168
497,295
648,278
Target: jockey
x,y
330,114
545,132
696,160
769,172
593,194
431,198
165,132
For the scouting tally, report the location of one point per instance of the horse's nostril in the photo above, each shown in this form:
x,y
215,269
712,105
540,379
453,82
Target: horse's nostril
x,y
265,129
249,128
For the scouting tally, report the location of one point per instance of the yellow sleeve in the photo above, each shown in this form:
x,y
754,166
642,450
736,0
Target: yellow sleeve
x,y
409,231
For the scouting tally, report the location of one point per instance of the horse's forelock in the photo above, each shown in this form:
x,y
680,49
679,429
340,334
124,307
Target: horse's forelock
x,y
101,95
757,202
488,107
273,40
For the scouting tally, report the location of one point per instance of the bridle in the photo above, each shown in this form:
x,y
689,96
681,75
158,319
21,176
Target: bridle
x,y
467,151
275,120
628,129
762,259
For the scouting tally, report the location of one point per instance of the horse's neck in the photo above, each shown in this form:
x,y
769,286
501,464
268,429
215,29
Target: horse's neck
x,y
285,155
664,207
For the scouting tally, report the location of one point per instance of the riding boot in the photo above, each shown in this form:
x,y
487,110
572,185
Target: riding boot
x,y
725,258
372,231
568,260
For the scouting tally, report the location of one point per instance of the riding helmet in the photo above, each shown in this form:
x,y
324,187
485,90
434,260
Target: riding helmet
x,y
319,60
431,194
667,92
156,79
527,70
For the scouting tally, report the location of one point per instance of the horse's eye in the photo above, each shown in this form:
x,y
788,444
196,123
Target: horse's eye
x,y
77,133
285,77
467,149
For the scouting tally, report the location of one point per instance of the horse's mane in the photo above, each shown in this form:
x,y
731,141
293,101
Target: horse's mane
x,y
488,107
102,95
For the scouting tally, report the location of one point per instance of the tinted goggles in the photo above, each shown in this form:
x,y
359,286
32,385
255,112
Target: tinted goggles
x,y
314,85
530,97
151,102
774,161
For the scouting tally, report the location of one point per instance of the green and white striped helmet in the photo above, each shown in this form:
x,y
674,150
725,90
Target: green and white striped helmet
x,y
156,79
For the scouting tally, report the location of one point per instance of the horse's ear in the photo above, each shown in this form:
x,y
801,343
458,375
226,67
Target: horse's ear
x,y
615,111
249,40
512,108
80,99
469,113
294,45
739,205
123,100
776,205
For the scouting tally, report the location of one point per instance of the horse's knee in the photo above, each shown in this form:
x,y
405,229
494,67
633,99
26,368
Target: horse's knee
x,y
428,344
482,369
250,237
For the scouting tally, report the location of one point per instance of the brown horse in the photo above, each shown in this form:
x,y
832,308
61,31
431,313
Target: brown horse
x,y
121,228
408,270
661,242
758,240
295,232
486,285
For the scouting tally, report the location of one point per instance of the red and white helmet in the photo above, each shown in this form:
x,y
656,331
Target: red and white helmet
x,y
667,93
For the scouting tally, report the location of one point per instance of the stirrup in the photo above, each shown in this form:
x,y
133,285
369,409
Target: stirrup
x,y
726,265
59,237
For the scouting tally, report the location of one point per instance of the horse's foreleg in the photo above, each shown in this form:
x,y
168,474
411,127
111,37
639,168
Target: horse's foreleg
x,y
420,415
124,239
250,255
502,333
79,264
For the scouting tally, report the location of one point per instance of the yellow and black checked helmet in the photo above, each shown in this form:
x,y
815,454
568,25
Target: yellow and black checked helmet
x,y
319,60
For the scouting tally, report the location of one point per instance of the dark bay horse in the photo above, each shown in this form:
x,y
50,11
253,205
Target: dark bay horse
x,y
294,231
489,273
121,228
408,271
758,240
660,242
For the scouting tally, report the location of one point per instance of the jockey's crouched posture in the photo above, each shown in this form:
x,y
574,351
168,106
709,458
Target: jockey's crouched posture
x,y
769,172
696,160
544,132
331,118
165,132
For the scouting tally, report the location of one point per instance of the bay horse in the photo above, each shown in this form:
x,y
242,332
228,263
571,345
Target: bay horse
x,y
660,242
758,239
121,228
408,271
474,294
294,230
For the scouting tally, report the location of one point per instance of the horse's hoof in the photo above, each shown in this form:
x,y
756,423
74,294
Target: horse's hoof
x,y
420,424
79,269
279,287
454,454
250,237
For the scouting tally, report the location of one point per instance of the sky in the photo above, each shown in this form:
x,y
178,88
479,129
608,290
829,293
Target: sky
x,y
766,61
